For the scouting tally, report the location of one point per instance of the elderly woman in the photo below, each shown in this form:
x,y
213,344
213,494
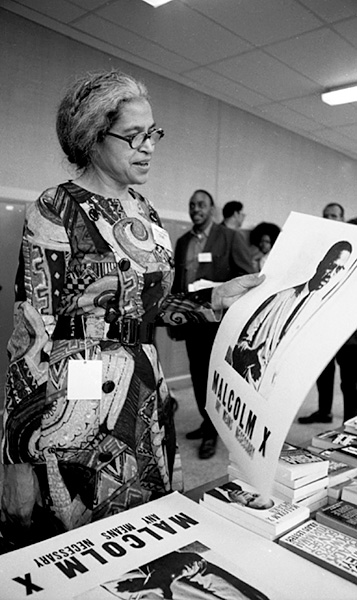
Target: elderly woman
x,y
88,427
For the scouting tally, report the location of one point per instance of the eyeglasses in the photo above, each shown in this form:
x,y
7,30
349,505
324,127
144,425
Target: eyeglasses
x,y
136,140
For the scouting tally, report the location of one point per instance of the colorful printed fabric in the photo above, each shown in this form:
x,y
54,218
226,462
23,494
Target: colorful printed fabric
x,y
90,260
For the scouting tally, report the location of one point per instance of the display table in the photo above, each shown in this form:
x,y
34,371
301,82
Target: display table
x,y
84,563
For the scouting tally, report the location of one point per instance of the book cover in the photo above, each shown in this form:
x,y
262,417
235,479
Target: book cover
x,y
341,516
298,466
349,492
295,494
326,547
346,454
339,472
333,439
240,502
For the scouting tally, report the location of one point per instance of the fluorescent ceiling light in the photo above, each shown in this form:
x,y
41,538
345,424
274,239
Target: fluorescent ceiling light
x,y
156,3
340,96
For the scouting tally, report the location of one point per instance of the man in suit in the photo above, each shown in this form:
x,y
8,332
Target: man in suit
x,y
212,252
233,217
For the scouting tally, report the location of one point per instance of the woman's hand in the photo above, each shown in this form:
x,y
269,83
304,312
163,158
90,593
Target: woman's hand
x,y
223,296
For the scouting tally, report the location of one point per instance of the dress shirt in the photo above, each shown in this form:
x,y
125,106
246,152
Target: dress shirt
x,y
195,247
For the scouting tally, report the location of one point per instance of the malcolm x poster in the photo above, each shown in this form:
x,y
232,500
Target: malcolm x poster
x,y
274,342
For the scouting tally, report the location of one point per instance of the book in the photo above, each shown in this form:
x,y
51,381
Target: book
x,y
341,516
324,546
294,494
314,506
300,481
333,439
349,491
350,426
339,472
334,492
346,454
298,466
314,501
241,503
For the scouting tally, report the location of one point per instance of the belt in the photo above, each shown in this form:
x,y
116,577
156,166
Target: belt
x,y
127,331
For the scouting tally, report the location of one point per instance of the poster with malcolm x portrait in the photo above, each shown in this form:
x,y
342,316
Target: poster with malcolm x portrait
x,y
274,342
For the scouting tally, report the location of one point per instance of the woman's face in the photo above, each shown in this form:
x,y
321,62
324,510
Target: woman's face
x,y
114,159
265,244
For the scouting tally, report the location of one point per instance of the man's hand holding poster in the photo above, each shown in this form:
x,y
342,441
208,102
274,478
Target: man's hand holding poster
x,y
274,341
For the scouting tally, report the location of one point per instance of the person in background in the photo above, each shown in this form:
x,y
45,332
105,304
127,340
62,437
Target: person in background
x,y
233,217
262,238
208,251
88,424
346,358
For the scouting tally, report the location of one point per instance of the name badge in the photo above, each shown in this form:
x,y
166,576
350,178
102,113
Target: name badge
x,y
205,257
84,380
161,237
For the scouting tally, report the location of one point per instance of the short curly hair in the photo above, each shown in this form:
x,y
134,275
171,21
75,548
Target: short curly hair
x,y
88,110
264,228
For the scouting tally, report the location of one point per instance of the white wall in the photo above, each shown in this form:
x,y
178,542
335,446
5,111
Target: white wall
x,y
207,144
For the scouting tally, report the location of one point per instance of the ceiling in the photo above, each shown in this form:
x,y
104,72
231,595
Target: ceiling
x,y
271,58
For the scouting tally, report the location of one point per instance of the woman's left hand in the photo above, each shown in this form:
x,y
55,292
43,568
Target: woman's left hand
x,y
224,295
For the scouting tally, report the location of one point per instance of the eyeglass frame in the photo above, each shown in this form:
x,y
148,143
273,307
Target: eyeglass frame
x,y
129,138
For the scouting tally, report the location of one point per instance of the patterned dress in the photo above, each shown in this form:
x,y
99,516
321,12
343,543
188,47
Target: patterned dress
x,y
88,267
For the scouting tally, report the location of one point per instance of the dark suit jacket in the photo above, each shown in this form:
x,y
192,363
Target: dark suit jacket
x,y
229,258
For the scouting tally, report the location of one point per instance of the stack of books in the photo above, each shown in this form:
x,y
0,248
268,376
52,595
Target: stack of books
x,y
241,503
332,439
342,444
339,474
346,454
301,477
